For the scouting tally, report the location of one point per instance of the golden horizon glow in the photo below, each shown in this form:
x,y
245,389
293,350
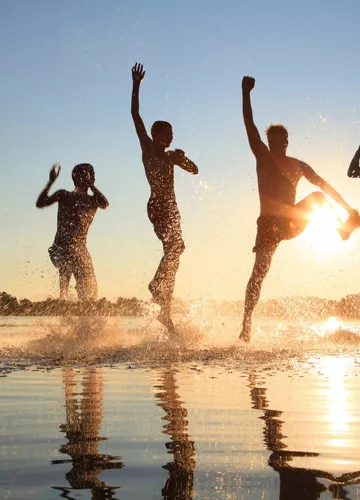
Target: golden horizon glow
x,y
331,325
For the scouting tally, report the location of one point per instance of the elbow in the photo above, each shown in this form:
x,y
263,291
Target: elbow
x,y
39,204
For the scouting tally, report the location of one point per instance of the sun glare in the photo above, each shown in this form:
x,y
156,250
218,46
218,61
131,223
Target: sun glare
x,y
321,232
331,325
336,394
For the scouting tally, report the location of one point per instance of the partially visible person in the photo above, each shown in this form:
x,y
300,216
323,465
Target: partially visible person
x,y
354,167
346,228
76,211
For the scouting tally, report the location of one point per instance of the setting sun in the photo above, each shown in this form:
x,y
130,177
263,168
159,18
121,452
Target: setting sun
x,y
321,232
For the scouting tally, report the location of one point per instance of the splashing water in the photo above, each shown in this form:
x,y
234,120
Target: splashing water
x,y
50,342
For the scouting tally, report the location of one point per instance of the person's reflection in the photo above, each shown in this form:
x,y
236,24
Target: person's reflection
x,y
83,421
179,485
296,483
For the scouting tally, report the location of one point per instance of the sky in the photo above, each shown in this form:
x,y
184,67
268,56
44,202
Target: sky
x,y
66,88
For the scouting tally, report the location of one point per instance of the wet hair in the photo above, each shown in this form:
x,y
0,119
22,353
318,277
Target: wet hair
x,y
274,128
80,171
158,127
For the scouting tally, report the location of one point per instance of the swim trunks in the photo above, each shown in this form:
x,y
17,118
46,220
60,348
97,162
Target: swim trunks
x,y
166,220
271,230
77,261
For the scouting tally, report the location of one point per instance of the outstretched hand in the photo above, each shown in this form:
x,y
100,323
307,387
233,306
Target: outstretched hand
x,y
248,83
54,172
138,73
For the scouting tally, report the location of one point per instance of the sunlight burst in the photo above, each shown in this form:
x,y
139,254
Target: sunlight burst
x,y
321,232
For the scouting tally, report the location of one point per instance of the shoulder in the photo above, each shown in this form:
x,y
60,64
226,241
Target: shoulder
x,y
170,154
61,195
296,163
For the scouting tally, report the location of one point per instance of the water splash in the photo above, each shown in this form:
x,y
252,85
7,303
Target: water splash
x,y
51,342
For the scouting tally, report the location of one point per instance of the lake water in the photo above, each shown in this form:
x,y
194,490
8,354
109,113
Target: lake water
x,y
108,409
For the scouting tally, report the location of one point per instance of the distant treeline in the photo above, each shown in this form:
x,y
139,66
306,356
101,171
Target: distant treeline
x,y
11,306
286,308
311,307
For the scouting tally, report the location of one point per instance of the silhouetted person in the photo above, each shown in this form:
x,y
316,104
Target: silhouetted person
x,y
76,211
354,167
162,207
349,225
84,411
280,218
296,483
179,485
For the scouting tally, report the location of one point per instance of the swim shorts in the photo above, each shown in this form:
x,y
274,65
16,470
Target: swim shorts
x,y
271,230
166,220
76,260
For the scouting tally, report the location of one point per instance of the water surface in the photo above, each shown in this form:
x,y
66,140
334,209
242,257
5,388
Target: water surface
x,y
109,409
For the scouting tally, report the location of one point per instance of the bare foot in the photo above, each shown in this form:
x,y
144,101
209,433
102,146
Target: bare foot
x,y
164,318
245,334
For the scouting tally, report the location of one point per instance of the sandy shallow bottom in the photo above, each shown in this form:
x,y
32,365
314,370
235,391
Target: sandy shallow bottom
x,y
109,409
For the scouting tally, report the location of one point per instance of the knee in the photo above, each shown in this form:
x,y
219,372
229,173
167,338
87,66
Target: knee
x,y
319,198
175,248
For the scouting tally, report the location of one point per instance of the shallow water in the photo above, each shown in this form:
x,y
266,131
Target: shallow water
x,y
99,409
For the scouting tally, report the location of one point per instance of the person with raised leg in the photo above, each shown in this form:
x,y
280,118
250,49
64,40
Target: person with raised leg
x,y
280,218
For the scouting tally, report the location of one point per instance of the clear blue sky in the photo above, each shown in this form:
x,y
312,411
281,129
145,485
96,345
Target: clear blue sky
x,y
65,87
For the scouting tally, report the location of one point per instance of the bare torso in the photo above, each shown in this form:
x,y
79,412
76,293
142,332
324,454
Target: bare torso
x,y
159,170
278,178
75,215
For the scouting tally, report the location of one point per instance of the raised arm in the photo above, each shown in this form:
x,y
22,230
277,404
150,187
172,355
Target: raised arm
x,y
179,158
44,200
256,144
315,179
100,200
354,167
138,74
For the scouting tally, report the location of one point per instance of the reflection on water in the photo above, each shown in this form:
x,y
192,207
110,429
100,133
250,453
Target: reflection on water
x,y
179,485
204,431
84,412
296,482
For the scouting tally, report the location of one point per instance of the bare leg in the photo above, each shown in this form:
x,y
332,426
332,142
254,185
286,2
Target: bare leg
x,y
86,285
304,208
299,218
261,267
64,281
163,283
